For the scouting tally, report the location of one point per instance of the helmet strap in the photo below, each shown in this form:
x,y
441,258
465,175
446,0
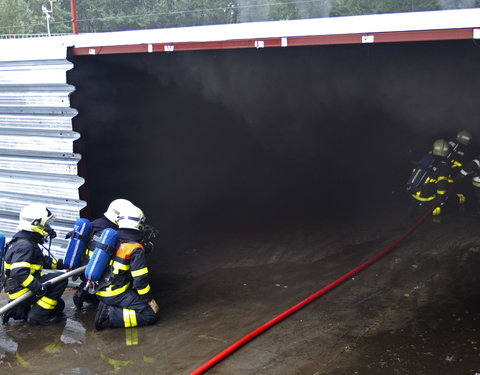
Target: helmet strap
x,y
49,246
40,231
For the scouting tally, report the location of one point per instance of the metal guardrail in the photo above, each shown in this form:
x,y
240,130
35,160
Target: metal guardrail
x,y
21,36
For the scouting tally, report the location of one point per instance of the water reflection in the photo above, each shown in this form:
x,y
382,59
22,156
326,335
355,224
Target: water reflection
x,y
24,346
73,347
73,333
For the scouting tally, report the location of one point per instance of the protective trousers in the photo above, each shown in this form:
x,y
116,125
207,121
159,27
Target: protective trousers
x,y
51,303
129,309
39,310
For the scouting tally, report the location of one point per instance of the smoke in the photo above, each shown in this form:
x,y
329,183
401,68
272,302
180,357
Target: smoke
x,y
317,9
456,4
251,11
279,103
213,138
263,85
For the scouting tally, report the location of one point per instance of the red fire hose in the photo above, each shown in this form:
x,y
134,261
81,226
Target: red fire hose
x,y
219,357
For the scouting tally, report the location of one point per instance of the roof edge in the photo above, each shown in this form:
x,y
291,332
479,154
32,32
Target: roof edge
x,y
377,23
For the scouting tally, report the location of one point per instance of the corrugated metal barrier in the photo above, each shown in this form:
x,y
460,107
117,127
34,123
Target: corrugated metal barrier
x,y
37,163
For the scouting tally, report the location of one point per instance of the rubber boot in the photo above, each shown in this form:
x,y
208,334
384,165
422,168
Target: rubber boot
x,y
16,313
102,316
436,218
39,315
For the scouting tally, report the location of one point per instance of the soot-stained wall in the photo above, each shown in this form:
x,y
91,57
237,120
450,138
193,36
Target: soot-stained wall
x,y
212,140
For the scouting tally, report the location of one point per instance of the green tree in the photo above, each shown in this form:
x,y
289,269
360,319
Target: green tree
x,y
25,16
358,7
316,9
14,16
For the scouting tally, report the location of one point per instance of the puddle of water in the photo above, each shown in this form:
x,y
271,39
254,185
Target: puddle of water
x,y
74,347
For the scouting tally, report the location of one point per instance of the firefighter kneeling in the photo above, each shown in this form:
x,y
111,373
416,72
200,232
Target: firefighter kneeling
x,y
125,298
430,180
24,262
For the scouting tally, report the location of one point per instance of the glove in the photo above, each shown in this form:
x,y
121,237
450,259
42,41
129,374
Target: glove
x,y
8,315
60,265
69,234
41,291
79,297
148,247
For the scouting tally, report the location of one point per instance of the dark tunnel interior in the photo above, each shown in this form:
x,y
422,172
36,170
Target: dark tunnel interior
x,y
211,141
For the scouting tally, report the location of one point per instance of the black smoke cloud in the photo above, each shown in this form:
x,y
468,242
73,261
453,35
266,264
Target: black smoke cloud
x,y
213,139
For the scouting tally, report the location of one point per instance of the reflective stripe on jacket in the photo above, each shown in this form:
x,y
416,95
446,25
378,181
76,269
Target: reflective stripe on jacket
x,y
436,182
127,268
23,264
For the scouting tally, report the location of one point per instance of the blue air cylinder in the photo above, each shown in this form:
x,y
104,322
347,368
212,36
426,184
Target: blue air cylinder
x,y
105,248
2,247
78,243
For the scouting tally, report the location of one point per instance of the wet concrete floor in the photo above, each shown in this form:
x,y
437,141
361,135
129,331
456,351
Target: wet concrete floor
x,y
416,311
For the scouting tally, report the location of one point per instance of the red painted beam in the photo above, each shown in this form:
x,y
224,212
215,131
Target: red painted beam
x,y
387,37
73,11
424,35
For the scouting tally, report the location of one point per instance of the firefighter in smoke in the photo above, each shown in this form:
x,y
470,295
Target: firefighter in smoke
x,y
472,169
459,149
23,264
107,220
458,155
125,296
430,180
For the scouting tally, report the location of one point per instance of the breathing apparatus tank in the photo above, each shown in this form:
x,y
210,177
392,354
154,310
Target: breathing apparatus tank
x,y
78,243
422,168
2,256
2,245
104,249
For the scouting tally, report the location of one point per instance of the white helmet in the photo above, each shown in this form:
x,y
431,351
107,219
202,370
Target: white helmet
x,y
131,217
115,208
36,218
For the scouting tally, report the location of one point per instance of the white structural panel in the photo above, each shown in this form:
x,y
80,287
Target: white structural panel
x,y
37,162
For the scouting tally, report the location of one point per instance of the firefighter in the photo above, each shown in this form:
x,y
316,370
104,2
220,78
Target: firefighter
x,y
472,169
125,297
459,149
24,261
107,220
435,181
458,155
